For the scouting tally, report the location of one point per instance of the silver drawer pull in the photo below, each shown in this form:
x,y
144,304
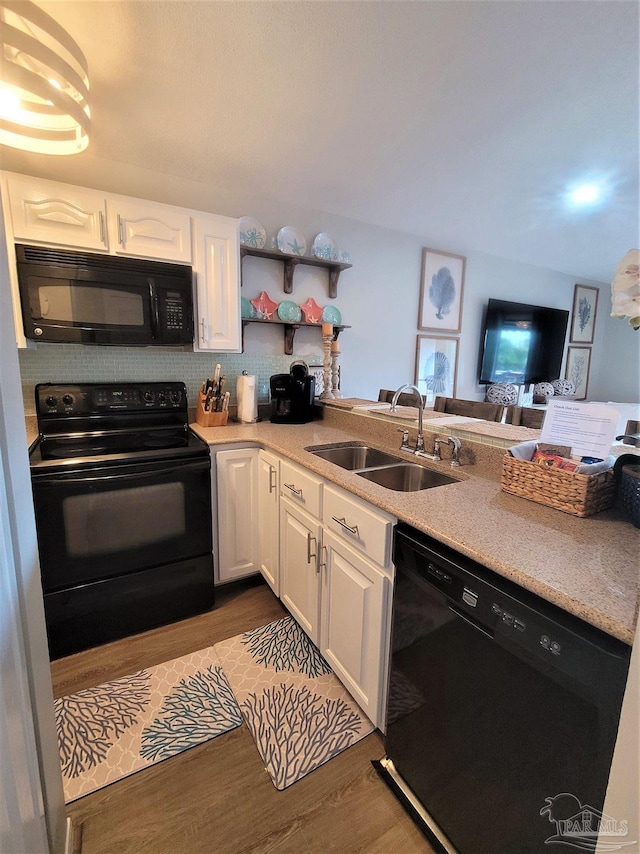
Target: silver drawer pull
x,y
342,522
272,479
311,555
293,489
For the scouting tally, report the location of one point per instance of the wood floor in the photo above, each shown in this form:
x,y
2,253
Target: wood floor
x,y
217,797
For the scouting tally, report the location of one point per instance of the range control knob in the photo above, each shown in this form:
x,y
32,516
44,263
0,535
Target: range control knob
x,y
67,399
161,397
175,396
51,400
148,396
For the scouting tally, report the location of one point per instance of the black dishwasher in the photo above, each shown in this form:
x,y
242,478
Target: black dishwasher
x,y
502,709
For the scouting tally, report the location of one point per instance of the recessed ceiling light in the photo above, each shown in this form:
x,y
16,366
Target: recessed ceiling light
x,y
586,194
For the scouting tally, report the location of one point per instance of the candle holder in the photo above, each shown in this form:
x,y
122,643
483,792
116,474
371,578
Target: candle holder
x,y
327,394
335,371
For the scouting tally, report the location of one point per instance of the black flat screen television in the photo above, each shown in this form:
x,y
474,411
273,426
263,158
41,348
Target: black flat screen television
x,y
522,343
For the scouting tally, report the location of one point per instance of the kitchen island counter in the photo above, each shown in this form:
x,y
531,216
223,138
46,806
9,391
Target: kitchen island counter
x,y
589,567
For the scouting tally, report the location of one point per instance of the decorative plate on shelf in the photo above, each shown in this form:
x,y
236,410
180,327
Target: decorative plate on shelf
x,y
289,311
325,247
331,314
291,241
252,232
247,310
264,306
312,311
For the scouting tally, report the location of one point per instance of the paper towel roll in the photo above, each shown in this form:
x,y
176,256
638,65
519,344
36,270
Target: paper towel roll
x,y
247,396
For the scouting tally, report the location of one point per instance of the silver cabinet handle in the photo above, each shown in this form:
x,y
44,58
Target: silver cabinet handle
x,y
343,522
310,555
272,480
321,563
101,226
120,231
203,332
293,489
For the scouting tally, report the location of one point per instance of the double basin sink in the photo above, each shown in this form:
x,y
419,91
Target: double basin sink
x,y
384,469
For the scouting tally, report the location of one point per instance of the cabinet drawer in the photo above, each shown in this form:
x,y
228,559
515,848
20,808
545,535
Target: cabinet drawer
x,y
301,487
358,523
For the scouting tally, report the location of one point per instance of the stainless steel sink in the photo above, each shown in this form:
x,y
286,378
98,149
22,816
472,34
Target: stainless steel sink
x,y
384,469
407,477
355,456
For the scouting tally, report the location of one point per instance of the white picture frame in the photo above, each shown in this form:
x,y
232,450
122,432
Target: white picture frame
x,y
436,366
441,291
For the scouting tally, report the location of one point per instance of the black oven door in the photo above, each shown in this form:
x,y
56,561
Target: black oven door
x,y
107,521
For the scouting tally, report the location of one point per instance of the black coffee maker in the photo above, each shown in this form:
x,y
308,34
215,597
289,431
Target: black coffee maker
x,y
292,395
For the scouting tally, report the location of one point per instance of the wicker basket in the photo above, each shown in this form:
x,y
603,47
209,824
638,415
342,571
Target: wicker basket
x,y
577,494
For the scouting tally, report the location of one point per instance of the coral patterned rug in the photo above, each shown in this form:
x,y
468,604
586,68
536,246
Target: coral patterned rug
x,y
299,714
109,732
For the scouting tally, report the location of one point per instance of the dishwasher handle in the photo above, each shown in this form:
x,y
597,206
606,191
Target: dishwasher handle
x,y
470,621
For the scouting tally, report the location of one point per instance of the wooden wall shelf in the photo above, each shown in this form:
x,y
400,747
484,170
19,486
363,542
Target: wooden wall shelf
x,y
290,330
291,262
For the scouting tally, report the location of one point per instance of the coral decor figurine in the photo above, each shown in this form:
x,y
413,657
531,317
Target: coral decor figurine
x,y
312,311
264,306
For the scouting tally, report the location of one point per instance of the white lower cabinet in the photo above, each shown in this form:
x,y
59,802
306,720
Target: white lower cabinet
x,y
355,596
238,542
299,569
324,552
268,518
335,579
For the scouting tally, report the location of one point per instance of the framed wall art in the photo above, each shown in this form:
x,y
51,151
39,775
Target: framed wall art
x,y
441,289
577,370
583,318
436,366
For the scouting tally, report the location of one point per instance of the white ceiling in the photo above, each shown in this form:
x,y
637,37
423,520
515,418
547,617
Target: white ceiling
x,y
462,122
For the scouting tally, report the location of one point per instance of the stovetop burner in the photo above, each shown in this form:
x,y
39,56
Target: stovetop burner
x,y
95,423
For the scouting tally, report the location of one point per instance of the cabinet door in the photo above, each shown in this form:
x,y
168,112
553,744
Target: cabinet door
x,y
47,212
354,602
299,577
217,265
269,519
150,230
237,498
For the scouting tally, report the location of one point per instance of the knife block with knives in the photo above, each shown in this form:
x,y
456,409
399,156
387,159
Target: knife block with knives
x,y
213,402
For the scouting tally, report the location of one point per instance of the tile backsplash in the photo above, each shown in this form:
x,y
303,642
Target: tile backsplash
x,y
78,363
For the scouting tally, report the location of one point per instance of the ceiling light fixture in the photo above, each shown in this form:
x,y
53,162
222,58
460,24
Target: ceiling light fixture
x,y
587,194
44,86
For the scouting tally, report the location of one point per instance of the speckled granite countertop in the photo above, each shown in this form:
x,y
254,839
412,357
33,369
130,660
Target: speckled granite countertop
x,y
589,567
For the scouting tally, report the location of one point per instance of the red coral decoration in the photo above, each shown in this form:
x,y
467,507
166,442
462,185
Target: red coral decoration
x,y
312,311
264,306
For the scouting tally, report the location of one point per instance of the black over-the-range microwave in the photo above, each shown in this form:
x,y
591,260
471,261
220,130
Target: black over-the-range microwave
x,y
83,298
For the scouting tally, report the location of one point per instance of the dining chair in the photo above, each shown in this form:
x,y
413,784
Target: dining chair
x,y
525,416
406,398
472,408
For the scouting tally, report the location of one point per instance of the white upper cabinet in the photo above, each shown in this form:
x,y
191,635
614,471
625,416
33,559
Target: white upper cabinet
x,y
149,230
47,212
217,264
